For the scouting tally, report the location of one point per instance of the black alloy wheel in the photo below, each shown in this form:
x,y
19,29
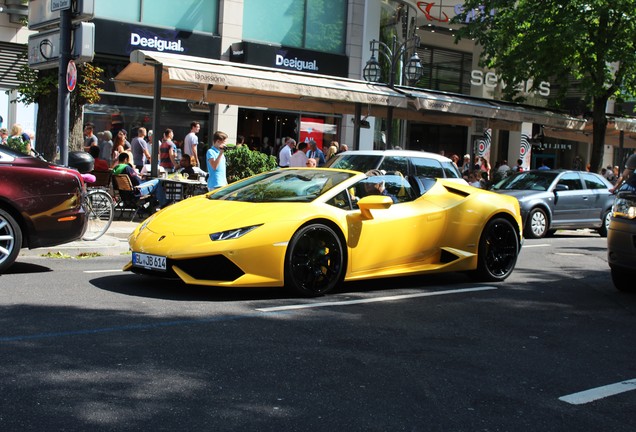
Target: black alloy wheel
x,y
10,240
498,251
314,264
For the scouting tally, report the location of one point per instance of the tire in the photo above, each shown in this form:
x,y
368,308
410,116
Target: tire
x,y
498,251
602,231
623,280
10,240
314,263
537,224
100,210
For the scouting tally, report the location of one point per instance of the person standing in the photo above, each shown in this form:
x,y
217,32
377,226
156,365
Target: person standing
x,y
106,148
89,137
299,158
140,149
168,151
4,135
316,153
191,142
16,142
284,157
215,159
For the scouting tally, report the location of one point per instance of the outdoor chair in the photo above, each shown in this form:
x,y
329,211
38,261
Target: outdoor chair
x,y
128,198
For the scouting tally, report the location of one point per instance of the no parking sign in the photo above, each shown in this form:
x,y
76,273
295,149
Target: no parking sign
x,y
71,76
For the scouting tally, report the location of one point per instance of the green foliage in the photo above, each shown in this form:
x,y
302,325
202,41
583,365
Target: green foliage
x,y
243,162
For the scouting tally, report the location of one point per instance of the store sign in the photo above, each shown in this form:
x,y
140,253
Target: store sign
x,y
120,39
287,58
491,80
443,11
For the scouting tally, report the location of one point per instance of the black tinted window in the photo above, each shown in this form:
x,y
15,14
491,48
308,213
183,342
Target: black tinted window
x,y
353,162
451,170
395,163
427,167
571,180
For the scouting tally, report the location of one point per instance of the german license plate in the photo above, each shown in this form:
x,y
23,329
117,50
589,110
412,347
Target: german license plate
x,y
153,262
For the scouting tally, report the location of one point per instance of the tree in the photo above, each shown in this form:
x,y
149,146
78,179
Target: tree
x,y
41,87
591,41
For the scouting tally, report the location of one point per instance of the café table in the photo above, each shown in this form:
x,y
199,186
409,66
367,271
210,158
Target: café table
x,y
178,188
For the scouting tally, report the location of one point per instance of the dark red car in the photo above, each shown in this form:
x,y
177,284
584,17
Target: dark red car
x,y
40,205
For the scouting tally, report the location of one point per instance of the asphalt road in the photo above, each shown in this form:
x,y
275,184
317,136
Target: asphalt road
x,y
86,347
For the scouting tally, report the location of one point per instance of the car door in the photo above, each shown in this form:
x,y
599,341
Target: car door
x,y
572,205
599,192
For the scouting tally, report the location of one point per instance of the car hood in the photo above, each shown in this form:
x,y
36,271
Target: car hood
x,y
202,216
523,194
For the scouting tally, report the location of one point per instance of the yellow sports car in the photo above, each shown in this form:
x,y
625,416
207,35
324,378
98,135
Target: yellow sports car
x,y
310,229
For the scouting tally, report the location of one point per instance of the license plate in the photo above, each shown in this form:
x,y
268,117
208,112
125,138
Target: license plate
x,y
153,262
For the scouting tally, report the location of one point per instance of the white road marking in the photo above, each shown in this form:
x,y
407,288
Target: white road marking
x,y
591,395
371,300
526,245
103,271
569,254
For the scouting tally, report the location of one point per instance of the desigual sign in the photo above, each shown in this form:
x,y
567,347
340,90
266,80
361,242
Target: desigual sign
x,y
156,43
295,63
491,80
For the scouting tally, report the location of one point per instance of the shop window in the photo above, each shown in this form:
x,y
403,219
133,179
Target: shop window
x,y
311,24
445,70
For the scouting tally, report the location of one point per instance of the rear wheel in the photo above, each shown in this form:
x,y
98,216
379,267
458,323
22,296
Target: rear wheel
x,y
314,264
100,210
498,251
537,224
10,240
602,231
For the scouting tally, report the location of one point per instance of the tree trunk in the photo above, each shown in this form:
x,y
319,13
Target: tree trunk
x,y
46,131
599,125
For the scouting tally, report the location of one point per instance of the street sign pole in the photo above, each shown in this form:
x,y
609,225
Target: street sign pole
x,y
63,97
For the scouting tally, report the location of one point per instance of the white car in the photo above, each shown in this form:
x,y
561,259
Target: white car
x,y
407,162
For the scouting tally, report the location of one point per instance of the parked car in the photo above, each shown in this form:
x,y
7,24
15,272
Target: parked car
x,y
40,205
407,162
621,242
310,229
559,199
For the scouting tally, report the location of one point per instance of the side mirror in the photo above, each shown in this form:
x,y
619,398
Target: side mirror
x,y
373,202
561,187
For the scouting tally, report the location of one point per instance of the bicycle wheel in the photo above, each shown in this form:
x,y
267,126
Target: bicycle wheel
x,y
99,211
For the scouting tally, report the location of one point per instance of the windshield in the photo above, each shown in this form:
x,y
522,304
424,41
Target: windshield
x,y
301,185
354,162
527,180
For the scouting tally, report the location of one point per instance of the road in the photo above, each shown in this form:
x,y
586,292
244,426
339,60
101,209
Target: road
x,y
84,346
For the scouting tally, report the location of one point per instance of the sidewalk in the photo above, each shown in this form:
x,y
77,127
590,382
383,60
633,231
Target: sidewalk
x,y
114,242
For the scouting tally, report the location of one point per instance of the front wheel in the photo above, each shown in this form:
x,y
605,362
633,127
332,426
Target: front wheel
x,y
10,240
537,224
498,251
99,213
314,264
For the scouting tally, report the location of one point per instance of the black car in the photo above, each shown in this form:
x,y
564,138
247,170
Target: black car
x,y
40,204
560,199
621,242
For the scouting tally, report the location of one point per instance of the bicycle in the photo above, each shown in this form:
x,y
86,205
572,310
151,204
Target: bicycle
x,y
100,210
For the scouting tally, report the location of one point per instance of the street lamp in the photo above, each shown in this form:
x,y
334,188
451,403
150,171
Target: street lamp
x,y
395,55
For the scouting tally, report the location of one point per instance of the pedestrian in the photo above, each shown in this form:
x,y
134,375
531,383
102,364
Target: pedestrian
x,y
168,151
89,137
140,149
284,157
17,142
106,148
299,159
216,163
191,142
316,153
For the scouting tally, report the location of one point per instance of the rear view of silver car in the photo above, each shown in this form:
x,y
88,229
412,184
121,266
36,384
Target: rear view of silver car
x,y
621,242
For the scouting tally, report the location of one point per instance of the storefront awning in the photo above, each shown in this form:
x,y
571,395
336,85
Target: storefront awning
x,y
215,81
491,109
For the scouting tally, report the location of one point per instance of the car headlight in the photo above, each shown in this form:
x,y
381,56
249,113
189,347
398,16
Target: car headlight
x,y
625,206
233,233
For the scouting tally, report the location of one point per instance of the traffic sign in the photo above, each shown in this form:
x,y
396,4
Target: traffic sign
x,y
57,5
71,76
43,16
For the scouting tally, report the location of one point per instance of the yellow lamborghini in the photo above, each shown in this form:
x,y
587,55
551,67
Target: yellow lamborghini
x,y
310,229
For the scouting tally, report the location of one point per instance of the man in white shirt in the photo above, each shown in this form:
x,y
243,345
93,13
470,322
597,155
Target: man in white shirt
x,y
191,142
284,157
299,159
